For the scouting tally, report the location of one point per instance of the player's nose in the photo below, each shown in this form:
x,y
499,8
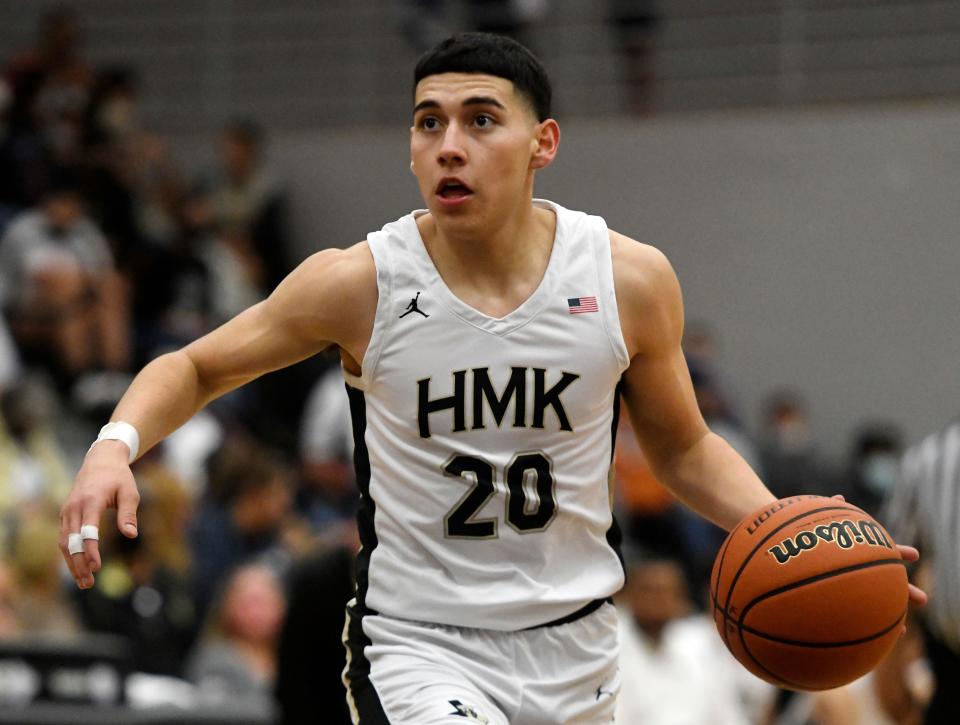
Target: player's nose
x,y
452,147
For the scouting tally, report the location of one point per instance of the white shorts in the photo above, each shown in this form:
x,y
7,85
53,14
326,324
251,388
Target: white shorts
x,y
415,673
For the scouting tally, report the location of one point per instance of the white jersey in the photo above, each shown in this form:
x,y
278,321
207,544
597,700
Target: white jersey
x,y
484,445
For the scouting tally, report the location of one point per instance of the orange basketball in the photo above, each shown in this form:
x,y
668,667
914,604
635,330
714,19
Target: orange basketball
x,y
809,593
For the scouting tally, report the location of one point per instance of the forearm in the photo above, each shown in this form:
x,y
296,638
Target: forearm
x,y
713,479
162,397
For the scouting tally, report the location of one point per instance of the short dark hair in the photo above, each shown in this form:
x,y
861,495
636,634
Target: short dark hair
x,y
495,55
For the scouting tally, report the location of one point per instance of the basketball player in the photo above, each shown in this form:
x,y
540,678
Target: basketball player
x,y
485,342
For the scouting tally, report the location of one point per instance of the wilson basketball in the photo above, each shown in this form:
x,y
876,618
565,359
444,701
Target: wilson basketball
x,y
809,593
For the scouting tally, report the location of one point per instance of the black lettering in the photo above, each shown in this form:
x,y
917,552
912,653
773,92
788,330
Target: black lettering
x,y
806,540
483,389
759,520
542,398
841,533
784,551
425,406
873,533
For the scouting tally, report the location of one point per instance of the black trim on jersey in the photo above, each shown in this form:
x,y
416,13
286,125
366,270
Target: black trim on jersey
x,y
589,608
357,677
368,509
614,533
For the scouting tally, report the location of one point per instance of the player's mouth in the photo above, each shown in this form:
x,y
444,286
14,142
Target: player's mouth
x,y
452,191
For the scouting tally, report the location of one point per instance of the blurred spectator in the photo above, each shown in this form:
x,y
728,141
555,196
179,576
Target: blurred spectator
x,y
428,22
142,592
187,451
9,359
235,661
895,693
9,621
50,85
139,597
635,24
789,457
874,466
923,510
40,603
249,207
246,516
65,302
164,514
505,17
199,278
33,471
112,145
311,654
673,666
328,494
24,158
175,300
424,23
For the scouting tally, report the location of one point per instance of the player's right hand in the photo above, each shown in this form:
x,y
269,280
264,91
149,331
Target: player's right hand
x,y
104,481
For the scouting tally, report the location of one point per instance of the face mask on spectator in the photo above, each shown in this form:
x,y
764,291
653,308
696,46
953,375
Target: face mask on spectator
x,y
879,472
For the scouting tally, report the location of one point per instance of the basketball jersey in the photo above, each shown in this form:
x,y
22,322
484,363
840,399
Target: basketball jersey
x,y
483,445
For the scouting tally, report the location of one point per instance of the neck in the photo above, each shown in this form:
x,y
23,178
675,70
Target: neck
x,y
505,259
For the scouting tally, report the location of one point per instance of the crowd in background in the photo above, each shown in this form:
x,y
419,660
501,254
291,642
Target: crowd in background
x,y
111,254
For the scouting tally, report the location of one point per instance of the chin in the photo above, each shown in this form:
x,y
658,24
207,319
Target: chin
x,y
459,221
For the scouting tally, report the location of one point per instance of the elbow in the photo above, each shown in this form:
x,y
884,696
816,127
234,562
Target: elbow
x,y
669,462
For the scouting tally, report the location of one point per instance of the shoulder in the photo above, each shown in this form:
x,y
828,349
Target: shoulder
x,y
648,293
639,267
337,269
334,290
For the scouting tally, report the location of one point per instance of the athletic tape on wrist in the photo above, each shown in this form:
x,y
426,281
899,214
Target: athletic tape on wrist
x,y
124,432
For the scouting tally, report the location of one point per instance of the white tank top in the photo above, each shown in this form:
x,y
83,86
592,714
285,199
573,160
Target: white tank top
x,y
484,445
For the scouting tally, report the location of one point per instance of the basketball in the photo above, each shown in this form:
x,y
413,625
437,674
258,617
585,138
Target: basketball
x,y
809,593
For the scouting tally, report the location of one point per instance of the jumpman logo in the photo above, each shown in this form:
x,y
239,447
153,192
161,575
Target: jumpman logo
x,y
412,307
601,692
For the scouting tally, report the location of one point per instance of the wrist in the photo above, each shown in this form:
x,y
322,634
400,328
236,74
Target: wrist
x,y
120,435
109,449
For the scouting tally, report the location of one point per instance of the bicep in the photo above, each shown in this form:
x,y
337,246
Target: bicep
x,y
303,316
657,388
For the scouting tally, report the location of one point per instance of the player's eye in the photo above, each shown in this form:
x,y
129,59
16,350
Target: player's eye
x,y
428,123
483,121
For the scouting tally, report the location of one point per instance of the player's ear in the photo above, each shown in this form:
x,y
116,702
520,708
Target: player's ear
x,y
544,144
412,170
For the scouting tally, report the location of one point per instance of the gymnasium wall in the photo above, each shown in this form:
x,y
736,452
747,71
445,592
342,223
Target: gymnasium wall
x,y
822,245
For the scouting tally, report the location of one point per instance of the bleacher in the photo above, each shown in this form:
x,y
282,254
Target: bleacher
x,y
306,63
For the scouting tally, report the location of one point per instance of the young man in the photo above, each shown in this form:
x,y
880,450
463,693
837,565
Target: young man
x,y
485,343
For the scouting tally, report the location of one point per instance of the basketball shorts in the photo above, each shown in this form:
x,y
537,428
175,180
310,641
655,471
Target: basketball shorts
x,y
415,673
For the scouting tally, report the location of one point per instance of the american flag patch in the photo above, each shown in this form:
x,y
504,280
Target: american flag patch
x,y
579,305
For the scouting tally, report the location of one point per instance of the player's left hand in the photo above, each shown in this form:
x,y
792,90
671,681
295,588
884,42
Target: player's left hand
x,y
917,595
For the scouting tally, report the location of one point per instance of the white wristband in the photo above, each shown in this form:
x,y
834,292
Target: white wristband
x,y
124,432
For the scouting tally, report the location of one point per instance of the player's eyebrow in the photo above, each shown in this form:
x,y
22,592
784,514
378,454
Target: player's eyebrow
x,y
425,104
484,101
472,101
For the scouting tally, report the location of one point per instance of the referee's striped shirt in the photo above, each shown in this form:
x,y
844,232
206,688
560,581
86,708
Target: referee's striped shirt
x,y
924,511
